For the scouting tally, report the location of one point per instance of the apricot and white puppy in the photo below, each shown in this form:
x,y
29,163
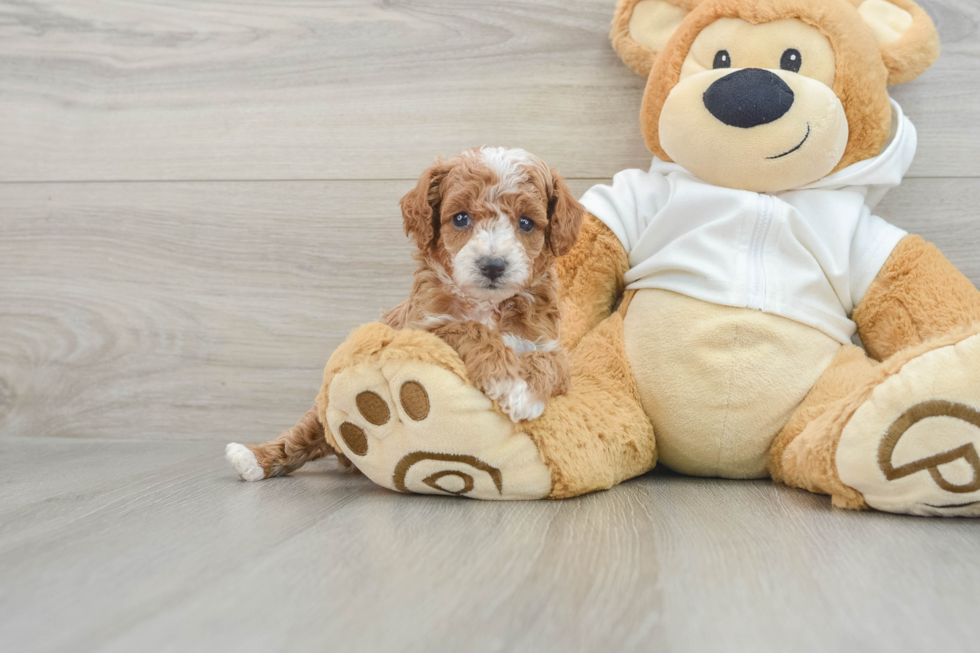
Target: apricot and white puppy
x,y
489,224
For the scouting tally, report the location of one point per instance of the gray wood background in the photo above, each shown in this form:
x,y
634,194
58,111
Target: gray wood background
x,y
198,200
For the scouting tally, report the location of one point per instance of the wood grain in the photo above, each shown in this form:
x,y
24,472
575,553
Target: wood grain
x,y
125,89
143,545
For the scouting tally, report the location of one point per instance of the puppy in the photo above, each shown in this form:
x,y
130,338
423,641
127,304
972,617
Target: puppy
x,y
488,225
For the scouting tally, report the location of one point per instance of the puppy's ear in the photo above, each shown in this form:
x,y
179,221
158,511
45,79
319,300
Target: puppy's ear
x,y
564,216
420,206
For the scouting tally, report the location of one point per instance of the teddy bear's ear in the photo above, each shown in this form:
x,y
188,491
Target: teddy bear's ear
x,y
641,28
906,35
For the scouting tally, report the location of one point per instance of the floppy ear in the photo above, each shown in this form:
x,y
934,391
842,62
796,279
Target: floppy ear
x,y
420,206
641,29
564,216
906,35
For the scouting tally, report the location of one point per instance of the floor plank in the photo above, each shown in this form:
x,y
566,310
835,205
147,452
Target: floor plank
x,y
146,545
125,89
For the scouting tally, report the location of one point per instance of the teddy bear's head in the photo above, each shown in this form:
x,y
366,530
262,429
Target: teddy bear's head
x,y
768,95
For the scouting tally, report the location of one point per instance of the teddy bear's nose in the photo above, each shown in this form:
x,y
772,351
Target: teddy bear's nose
x,y
748,98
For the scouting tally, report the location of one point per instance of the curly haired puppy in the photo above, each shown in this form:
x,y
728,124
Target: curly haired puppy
x,y
488,224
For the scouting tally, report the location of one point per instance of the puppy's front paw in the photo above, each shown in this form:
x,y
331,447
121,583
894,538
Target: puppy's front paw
x,y
515,399
244,462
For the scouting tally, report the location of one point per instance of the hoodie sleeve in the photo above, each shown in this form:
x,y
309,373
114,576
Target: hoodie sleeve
x,y
874,240
627,205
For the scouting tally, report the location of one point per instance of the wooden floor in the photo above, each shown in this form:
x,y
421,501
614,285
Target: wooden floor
x,y
198,202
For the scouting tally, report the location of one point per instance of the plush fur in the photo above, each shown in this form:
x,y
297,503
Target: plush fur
x,y
915,51
918,295
591,438
635,55
592,271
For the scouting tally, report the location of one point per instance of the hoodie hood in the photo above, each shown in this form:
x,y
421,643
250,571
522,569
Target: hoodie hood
x,y
880,174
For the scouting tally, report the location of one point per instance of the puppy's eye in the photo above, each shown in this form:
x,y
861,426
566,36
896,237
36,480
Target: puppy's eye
x,y
526,224
791,61
723,59
461,220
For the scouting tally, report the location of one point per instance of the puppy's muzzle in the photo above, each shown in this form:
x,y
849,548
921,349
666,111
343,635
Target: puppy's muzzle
x,y
492,268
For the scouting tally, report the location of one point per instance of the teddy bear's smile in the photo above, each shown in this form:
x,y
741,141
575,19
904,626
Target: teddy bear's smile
x,y
788,152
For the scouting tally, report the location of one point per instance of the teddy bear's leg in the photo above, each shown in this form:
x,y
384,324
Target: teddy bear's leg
x,y
406,415
899,436
816,471
917,295
304,442
596,435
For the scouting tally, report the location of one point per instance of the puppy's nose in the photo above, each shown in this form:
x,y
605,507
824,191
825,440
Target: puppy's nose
x,y
492,268
749,98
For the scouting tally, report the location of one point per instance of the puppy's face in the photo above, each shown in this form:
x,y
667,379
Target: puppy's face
x,y
493,218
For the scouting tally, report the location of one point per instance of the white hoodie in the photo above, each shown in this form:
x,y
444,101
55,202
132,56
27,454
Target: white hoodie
x,y
808,254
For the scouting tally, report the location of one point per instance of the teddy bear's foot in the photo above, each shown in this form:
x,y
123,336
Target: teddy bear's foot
x,y
912,445
414,426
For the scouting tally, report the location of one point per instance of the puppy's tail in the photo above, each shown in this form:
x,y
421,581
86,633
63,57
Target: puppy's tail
x,y
296,446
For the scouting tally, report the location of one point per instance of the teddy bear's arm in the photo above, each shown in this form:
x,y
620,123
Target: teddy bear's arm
x,y
917,295
591,277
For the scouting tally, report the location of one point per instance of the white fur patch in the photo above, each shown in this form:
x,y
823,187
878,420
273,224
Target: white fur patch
x,y
509,167
244,462
523,345
514,398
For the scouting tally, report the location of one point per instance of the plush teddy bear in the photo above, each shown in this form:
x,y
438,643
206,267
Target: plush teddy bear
x,y
710,302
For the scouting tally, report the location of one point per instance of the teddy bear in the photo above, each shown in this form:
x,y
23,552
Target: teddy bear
x,y
710,304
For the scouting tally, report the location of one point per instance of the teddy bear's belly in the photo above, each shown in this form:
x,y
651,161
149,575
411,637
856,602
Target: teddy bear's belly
x,y
719,383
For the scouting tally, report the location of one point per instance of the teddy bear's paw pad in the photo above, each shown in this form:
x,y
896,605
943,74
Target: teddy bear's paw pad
x,y
417,427
914,446
244,462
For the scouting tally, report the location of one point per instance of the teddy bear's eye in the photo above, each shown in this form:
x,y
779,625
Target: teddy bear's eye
x,y
791,61
723,59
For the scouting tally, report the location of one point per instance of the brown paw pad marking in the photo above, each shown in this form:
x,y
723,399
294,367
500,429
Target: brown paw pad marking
x,y
372,408
355,438
433,481
414,399
406,463
915,414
